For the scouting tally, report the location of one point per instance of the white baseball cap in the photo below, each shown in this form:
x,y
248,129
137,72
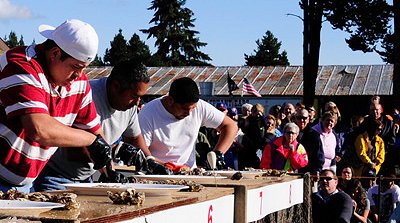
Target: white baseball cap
x,y
77,38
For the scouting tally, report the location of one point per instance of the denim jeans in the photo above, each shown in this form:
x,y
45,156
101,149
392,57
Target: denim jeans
x,y
49,180
231,159
25,189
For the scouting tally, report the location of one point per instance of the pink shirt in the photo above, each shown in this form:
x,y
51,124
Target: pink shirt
x,y
328,144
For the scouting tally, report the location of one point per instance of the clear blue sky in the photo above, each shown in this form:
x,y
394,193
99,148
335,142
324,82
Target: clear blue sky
x,y
229,27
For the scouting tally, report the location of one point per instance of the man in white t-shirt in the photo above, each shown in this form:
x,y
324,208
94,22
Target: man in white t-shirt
x,y
170,125
390,198
116,98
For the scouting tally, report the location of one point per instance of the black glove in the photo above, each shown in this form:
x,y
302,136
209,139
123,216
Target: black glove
x,y
220,160
153,167
112,176
132,156
100,152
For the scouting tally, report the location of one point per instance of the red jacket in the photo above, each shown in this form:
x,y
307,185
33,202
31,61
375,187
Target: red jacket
x,y
275,156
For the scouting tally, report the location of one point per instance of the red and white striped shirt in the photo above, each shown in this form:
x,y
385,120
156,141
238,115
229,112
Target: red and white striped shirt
x,y
25,89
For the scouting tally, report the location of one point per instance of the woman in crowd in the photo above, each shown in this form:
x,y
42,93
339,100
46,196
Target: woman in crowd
x,y
272,132
285,153
361,204
327,140
370,149
346,176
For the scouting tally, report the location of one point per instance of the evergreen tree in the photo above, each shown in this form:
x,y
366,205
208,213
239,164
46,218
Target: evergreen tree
x,y
176,41
21,41
138,50
12,40
118,51
267,53
367,22
97,62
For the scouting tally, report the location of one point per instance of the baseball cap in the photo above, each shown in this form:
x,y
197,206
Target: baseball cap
x,y
221,106
77,38
232,111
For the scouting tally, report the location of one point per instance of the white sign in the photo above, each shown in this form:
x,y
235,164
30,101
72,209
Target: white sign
x,y
271,198
219,210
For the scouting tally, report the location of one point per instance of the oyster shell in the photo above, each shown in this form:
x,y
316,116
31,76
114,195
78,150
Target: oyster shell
x,y
68,199
129,196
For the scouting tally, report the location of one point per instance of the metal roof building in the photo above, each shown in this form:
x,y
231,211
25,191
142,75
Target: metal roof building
x,y
349,86
332,80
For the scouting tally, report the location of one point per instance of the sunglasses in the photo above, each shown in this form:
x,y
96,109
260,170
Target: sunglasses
x,y
326,178
290,133
301,118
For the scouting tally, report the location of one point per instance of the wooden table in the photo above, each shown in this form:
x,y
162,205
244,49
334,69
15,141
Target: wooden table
x,y
216,204
256,198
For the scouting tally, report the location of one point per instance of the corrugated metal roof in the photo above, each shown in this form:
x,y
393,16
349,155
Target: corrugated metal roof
x,y
274,80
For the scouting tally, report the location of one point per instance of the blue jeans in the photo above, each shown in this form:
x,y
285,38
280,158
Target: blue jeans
x,y
49,180
25,189
231,159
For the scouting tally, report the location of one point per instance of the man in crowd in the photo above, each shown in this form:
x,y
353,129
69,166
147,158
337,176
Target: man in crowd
x,y
47,103
289,110
390,198
302,120
116,98
387,133
329,204
255,133
246,111
170,125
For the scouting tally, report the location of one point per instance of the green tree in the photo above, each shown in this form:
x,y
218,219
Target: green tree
x,y
12,40
367,22
176,41
97,62
118,50
21,41
139,51
267,53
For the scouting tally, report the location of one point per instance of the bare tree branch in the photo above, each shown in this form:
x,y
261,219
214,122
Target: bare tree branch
x,y
295,16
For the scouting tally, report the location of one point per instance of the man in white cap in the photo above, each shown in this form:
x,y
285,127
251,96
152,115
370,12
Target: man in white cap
x,y
46,102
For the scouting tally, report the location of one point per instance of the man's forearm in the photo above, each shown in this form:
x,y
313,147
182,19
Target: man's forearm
x,y
47,131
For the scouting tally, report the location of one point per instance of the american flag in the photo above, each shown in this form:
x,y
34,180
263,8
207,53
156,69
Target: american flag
x,y
249,88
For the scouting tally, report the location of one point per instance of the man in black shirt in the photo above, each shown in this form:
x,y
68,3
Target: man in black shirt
x,y
330,205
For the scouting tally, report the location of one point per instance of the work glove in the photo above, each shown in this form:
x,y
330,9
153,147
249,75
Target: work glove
x,y
131,156
100,152
176,167
220,160
112,176
153,167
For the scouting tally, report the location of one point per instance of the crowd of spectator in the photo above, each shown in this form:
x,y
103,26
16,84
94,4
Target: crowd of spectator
x,y
351,164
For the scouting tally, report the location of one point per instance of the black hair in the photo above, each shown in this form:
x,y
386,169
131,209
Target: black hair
x,y
48,44
184,90
360,195
373,125
129,72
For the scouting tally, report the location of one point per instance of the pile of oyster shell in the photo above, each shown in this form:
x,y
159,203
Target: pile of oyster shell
x,y
129,196
68,199
193,186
